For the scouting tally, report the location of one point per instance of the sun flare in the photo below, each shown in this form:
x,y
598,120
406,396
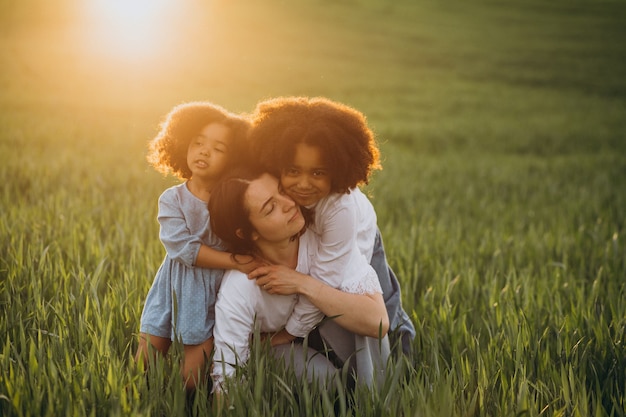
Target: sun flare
x,y
127,29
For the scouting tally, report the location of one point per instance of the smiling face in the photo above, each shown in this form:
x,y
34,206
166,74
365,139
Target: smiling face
x,y
207,154
274,216
307,180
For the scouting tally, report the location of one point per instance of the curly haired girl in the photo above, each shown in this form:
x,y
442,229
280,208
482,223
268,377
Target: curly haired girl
x,y
199,143
322,151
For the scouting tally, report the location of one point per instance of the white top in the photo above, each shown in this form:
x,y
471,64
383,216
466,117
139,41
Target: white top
x,y
242,307
346,226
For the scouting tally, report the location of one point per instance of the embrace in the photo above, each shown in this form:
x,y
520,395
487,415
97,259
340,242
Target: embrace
x,y
269,234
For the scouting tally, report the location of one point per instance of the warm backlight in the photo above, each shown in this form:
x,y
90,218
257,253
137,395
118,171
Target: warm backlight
x,y
128,29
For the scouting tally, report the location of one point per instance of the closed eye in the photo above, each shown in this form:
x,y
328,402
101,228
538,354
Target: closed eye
x,y
270,208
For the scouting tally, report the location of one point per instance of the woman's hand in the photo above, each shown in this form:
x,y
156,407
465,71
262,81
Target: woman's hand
x,y
278,279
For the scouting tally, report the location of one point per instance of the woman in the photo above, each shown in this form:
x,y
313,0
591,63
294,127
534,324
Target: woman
x,y
253,216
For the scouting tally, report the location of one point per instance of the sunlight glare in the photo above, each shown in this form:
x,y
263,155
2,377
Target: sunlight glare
x,y
128,29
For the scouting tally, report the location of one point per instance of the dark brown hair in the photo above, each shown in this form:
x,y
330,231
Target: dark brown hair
x,y
229,215
346,142
168,150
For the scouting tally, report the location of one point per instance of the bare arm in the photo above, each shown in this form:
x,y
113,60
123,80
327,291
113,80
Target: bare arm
x,y
213,258
184,244
364,314
278,338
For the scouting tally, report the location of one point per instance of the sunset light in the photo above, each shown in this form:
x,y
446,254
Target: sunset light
x,y
128,29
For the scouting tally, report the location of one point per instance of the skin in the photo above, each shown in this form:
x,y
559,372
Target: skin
x,y
207,158
307,180
275,217
364,314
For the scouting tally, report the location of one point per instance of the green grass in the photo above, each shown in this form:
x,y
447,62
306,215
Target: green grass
x,y
501,202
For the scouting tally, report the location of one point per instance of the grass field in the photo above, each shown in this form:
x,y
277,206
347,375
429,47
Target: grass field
x,y
502,200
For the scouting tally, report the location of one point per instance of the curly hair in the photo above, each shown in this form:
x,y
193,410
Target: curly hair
x,y
347,144
167,152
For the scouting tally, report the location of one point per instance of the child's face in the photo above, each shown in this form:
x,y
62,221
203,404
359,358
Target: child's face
x,y
307,180
207,154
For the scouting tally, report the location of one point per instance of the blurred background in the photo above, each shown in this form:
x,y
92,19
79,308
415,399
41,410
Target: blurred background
x,y
502,126
432,75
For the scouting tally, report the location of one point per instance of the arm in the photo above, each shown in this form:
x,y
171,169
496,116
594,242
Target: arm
x,y
181,243
280,337
303,318
364,314
336,228
234,323
185,245
213,258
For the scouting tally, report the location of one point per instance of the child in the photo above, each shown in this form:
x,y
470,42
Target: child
x,y
199,143
322,151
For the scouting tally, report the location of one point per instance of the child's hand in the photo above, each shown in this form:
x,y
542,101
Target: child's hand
x,y
277,279
247,263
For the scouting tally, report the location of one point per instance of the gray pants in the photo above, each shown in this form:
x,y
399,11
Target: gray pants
x,y
306,363
366,357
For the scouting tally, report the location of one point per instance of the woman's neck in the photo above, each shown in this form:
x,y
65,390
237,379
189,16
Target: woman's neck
x,y
281,253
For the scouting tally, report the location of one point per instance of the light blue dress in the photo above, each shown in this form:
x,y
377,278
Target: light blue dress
x,y
181,302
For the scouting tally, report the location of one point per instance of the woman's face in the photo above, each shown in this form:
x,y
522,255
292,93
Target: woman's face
x,y
274,216
307,180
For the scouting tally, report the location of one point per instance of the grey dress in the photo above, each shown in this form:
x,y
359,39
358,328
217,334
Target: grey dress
x,y
181,302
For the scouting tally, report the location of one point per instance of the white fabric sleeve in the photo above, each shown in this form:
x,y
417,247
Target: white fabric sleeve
x,y
304,318
181,245
361,279
339,262
234,323
337,239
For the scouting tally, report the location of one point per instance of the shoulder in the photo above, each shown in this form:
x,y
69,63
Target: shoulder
x,y
359,199
173,193
235,281
330,202
352,201
364,207
334,208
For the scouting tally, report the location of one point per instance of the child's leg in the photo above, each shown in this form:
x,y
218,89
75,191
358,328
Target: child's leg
x,y
150,344
194,359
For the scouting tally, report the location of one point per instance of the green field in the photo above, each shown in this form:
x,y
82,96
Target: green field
x,y
502,201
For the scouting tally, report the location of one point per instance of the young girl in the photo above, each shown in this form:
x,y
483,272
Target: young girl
x,y
199,143
322,151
